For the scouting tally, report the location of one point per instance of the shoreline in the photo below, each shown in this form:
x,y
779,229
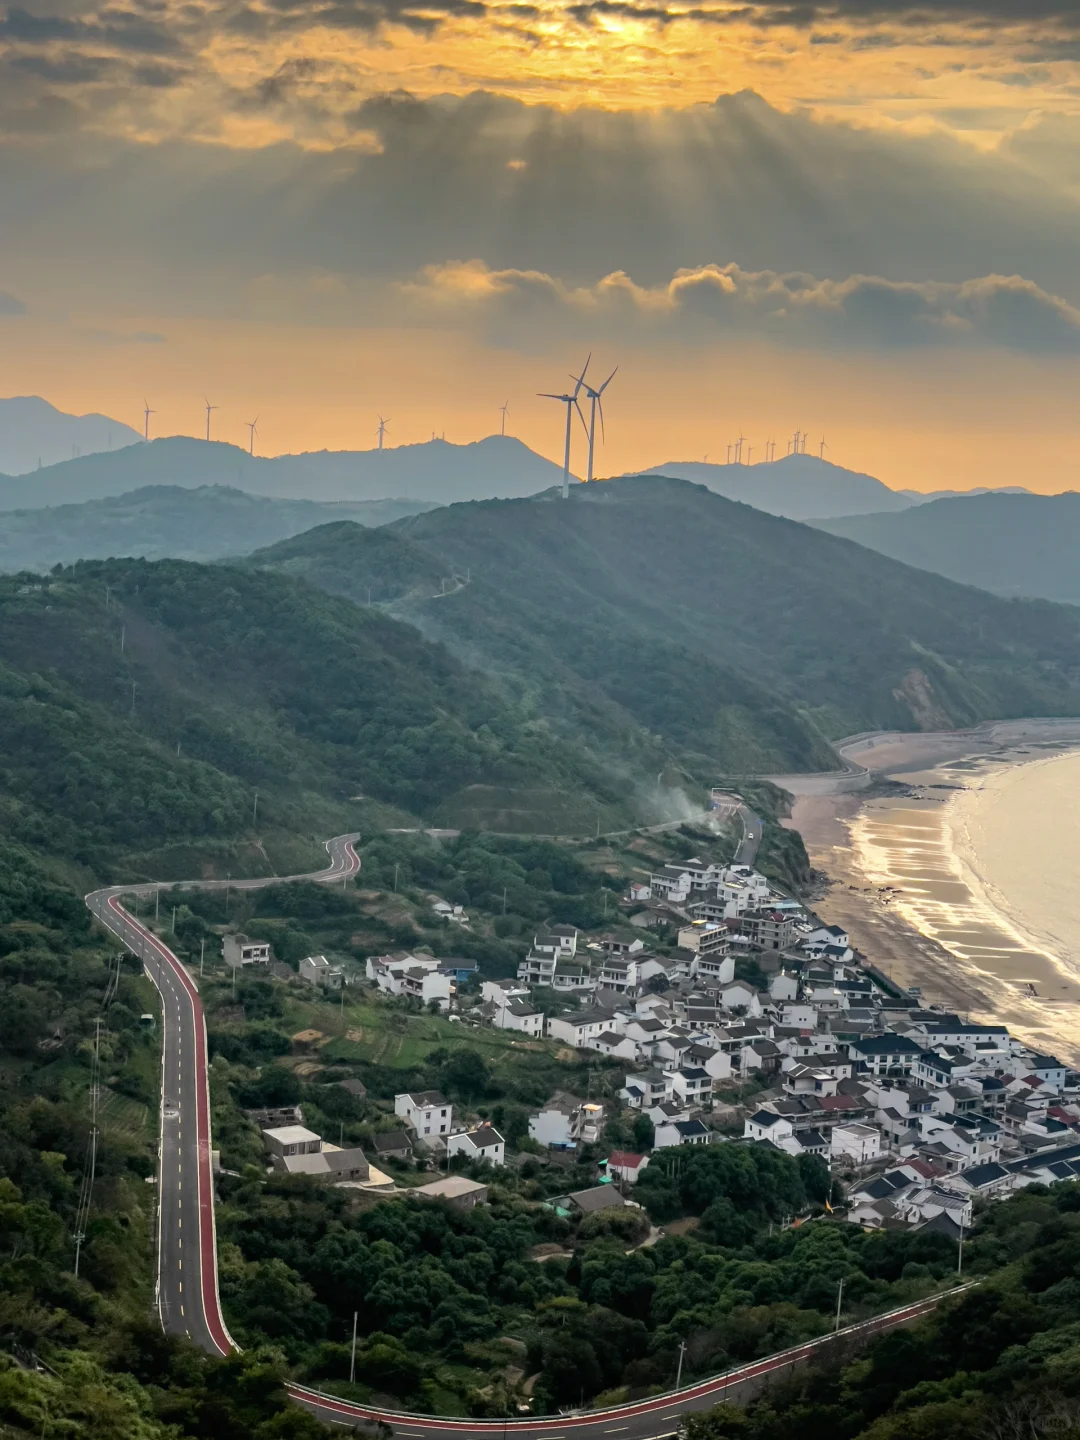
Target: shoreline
x,y
906,884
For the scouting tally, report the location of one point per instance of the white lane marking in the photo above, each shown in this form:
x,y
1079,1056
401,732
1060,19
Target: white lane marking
x,y
614,1429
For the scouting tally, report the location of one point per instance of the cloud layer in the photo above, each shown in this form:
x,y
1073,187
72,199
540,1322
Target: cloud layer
x,y
721,305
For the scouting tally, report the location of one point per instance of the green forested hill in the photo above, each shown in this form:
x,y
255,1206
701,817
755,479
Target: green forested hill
x,y
736,635
143,705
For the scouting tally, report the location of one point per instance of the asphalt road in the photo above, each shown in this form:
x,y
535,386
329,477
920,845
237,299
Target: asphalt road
x,y
187,1290
187,1293
651,1419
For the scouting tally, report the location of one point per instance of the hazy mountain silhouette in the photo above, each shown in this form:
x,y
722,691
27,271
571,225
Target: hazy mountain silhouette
x,y
33,432
498,467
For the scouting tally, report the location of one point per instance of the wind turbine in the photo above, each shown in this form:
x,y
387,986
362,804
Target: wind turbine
x,y
571,403
147,412
252,432
209,407
822,448
595,400
382,430
504,410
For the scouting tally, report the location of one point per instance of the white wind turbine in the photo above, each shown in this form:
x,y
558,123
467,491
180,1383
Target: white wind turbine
x,y
595,400
252,432
571,403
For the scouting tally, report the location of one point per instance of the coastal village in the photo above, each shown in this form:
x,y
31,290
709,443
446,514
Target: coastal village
x,y
761,1026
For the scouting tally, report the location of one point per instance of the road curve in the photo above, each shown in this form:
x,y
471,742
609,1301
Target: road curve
x,y
186,1284
651,1419
187,1293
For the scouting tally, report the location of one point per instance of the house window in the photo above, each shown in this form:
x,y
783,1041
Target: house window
x,y
427,1129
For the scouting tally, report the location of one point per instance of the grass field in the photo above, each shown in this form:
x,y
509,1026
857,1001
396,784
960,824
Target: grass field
x,y
371,1029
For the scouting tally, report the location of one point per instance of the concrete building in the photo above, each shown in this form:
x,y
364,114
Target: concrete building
x,y
287,1140
626,1166
860,1144
565,1122
241,953
427,1113
483,1143
457,1189
317,970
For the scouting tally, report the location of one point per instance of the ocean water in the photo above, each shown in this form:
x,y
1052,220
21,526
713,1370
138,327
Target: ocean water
x,y
986,862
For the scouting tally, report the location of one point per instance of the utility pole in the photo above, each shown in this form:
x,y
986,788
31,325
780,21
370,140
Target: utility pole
x,y
133,697
157,903
172,928
678,1377
202,954
839,1302
396,869
352,1363
123,637
960,1249
228,878
255,807
504,899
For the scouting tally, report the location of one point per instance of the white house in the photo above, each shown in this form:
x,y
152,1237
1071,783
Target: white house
x,y
519,1015
613,1045
317,970
427,1112
681,1132
691,1085
428,986
483,1143
577,1030
715,968
624,1165
859,1144
564,1122
501,992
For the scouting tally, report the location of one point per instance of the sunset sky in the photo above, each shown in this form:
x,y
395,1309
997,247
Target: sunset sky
x,y
859,219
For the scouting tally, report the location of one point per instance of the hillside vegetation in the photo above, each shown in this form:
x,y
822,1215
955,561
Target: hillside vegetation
x,y
144,704
740,638
1009,544
172,522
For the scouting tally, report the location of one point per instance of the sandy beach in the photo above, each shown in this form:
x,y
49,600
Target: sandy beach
x,y
937,874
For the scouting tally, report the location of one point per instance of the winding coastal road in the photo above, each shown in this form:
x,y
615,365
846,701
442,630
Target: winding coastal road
x,y
187,1290
187,1286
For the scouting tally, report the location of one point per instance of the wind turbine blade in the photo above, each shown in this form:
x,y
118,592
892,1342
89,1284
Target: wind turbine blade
x,y
600,407
546,395
580,379
608,381
581,417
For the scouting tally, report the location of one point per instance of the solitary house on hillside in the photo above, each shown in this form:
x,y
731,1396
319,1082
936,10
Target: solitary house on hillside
x,y
239,952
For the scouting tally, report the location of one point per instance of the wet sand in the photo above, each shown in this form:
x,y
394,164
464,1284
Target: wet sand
x,y
927,883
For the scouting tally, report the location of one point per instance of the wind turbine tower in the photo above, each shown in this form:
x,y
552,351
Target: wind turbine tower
x,y
209,407
595,399
252,432
504,410
382,431
571,402
822,448
147,412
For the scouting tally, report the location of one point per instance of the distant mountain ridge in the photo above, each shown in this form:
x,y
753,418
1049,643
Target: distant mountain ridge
x,y
436,472
1009,544
33,433
170,522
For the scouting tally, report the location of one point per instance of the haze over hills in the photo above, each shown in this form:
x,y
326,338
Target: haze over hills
x,y
801,487
436,472
168,521
741,638
1012,544
144,703
33,433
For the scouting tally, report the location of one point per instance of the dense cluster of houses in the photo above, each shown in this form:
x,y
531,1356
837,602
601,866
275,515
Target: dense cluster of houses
x,y
917,1112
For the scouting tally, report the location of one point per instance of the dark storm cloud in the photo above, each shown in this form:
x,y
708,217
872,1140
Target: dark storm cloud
x,y
113,29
